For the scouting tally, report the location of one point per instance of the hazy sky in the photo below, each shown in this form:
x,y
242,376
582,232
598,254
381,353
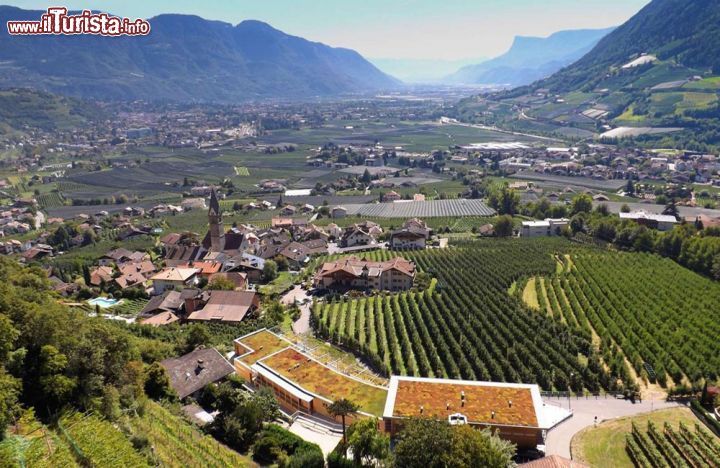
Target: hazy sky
x,y
408,29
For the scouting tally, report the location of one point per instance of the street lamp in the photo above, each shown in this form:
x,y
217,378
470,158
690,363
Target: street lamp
x,y
572,374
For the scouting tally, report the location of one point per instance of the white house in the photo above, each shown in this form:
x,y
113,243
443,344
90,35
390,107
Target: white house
x,y
172,278
544,228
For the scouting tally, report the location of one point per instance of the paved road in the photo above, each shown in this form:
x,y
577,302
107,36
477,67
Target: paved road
x,y
584,413
299,295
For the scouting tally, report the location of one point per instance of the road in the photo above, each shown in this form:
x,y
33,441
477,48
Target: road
x,y
298,295
584,413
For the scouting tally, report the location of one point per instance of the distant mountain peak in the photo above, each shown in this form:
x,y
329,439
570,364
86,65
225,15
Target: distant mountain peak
x,y
531,58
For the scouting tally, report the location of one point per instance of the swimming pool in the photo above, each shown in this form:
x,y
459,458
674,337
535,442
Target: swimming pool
x,y
103,302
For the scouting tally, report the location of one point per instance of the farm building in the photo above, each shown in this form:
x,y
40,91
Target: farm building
x,y
515,411
547,227
353,273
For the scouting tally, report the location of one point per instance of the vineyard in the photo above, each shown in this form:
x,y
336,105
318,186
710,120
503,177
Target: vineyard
x,y
175,443
672,448
466,325
50,200
97,442
661,316
34,445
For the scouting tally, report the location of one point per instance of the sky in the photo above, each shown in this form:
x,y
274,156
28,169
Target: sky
x,y
397,29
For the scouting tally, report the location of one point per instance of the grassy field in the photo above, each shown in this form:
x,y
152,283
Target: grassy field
x,y
604,445
529,294
279,284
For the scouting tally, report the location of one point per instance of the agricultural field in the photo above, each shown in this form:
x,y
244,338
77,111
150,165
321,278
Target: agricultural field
x,y
711,83
663,438
177,444
428,209
467,325
97,442
412,136
669,103
661,316
564,181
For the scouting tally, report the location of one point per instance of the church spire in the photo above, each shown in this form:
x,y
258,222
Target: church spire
x,y
214,203
217,234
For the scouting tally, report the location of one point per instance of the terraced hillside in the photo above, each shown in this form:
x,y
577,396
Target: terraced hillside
x,y
176,443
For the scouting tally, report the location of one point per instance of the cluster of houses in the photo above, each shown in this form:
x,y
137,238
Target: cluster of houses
x,y
554,227
616,164
239,255
21,217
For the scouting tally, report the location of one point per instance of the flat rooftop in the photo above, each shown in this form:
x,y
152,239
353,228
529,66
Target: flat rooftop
x,y
320,380
513,404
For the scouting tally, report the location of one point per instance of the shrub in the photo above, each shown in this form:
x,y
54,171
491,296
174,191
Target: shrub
x,y
275,444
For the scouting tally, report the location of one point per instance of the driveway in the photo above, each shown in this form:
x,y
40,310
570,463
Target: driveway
x,y
298,295
584,413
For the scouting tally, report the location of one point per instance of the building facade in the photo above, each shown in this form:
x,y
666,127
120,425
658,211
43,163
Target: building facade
x,y
397,274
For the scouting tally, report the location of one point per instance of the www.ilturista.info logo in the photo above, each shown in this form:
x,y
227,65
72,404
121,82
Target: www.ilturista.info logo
x,y
57,21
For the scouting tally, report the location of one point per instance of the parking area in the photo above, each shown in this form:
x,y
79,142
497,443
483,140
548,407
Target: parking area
x,y
585,410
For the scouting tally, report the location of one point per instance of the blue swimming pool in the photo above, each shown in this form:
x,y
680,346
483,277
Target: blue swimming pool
x,y
103,302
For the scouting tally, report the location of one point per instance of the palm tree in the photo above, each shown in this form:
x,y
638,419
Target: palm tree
x,y
342,408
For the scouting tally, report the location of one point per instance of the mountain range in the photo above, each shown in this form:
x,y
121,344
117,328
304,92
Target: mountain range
x,y
686,32
184,58
530,59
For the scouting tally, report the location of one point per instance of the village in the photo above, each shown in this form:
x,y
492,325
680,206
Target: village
x,y
348,271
